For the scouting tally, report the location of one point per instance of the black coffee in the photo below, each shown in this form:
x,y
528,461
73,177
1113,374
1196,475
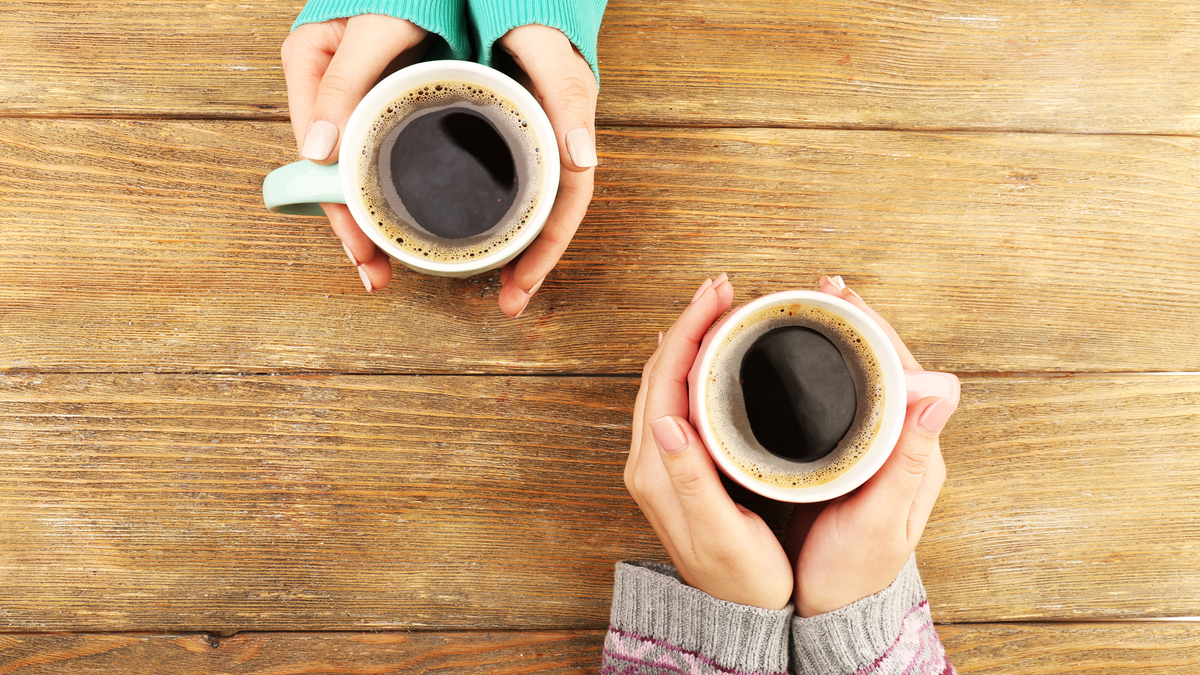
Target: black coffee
x,y
798,392
453,171
794,395
450,171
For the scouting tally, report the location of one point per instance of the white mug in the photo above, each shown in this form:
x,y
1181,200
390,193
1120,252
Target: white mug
x,y
901,388
299,187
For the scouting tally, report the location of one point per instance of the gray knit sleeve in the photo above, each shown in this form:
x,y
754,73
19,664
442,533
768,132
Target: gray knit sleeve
x,y
888,633
659,626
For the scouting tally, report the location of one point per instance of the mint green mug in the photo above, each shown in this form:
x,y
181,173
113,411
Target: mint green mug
x,y
300,187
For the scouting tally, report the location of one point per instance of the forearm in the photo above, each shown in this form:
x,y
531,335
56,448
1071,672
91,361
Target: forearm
x,y
888,633
579,20
445,18
659,624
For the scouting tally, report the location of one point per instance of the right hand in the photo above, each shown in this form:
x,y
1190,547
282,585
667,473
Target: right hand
x,y
718,546
329,67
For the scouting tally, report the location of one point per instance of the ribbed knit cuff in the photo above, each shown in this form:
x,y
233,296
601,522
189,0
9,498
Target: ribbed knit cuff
x,y
447,18
888,632
668,623
579,20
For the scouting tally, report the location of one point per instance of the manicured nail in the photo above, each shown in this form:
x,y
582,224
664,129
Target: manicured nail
x,y
660,337
668,435
319,140
536,286
721,278
350,255
837,282
703,287
581,148
365,279
851,292
935,416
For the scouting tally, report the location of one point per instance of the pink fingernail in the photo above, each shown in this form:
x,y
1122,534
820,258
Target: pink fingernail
x,y
667,434
581,148
536,286
934,419
660,337
365,279
721,278
349,254
703,287
319,140
837,282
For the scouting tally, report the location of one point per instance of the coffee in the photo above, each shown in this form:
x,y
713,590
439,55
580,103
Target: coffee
x,y
450,171
794,396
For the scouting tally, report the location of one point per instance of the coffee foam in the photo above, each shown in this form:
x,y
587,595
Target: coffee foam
x,y
384,206
726,409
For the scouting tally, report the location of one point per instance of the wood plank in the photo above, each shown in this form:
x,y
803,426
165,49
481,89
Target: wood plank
x,y
225,503
1076,648
1090,66
1007,649
558,653
144,246
1093,66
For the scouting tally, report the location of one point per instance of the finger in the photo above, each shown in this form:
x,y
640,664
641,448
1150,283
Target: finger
x,y
639,407
927,494
564,85
374,266
803,517
835,286
703,502
891,492
370,42
306,54
668,393
537,261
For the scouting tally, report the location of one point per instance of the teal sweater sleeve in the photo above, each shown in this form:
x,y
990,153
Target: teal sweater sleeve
x,y
579,20
446,18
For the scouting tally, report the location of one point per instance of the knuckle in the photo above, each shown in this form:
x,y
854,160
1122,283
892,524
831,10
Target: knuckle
x,y
688,482
336,84
914,461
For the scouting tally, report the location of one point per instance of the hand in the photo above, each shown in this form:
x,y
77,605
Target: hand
x,y
563,83
854,546
329,67
718,547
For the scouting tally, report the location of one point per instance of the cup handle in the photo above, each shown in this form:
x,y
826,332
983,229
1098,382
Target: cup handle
x,y
922,383
299,187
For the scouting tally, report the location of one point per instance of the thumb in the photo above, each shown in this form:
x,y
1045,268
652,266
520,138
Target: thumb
x,y
706,506
893,489
565,86
369,44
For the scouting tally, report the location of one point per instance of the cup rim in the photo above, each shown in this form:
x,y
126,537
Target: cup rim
x,y
895,397
409,78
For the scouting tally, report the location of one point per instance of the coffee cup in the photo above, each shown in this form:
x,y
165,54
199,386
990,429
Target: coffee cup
x,y
800,396
450,167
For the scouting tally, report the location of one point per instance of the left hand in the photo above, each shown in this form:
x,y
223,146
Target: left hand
x,y
563,83
854,546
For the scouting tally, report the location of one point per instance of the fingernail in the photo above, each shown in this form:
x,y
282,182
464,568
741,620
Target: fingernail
x,y
703,287
668,435
721,278
365,279
660,337
319,140
851,292
536,286
581,148
837,282
935,416
349,254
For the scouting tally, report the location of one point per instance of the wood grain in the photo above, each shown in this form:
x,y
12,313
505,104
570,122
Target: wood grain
x,y
1003,649
225,503
557,653
1088,66
143,246
1076,648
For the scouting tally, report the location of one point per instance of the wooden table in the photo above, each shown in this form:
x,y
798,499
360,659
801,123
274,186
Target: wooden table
x,y
218,454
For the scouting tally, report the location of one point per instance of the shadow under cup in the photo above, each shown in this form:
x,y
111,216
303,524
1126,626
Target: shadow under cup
x,y
718,411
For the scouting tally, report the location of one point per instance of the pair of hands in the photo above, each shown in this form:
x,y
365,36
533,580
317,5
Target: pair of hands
x,y
834,553
330,66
